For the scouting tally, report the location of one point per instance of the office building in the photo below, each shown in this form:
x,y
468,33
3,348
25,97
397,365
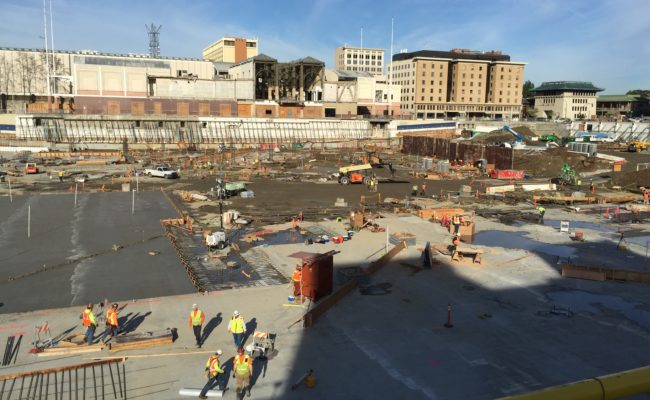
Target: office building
x,y
458,83
566,99
358,59
231,50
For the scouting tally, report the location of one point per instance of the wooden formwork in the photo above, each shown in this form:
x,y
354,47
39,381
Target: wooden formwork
x,y
601,274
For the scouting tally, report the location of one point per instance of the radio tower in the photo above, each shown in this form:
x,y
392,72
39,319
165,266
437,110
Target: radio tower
x,y
154,39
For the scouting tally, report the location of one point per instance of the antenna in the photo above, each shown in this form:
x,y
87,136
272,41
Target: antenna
x,y
154,39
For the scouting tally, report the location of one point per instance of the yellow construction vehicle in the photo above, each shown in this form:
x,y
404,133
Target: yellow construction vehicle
x,y
633,147
350,174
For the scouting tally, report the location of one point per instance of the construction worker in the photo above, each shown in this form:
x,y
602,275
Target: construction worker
x,y
541,211
237,327
197,318
646,196
242,371
297,281
111,320
455,242
456,221
294,223
88,320
592,188
414,190
423,191
60,174
212,371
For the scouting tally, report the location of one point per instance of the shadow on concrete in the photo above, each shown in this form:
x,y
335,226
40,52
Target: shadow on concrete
x,y
133,323
209,327
63,334
511,334
250,329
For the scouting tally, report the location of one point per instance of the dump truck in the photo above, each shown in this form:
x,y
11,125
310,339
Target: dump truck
x,y
352,174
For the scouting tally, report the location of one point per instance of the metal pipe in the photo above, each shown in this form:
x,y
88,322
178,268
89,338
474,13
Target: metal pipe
x,y
123,376
607,387
110,371
94,382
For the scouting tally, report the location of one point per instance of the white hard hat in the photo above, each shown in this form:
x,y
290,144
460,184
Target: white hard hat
x,y
235,313
194,306
218,352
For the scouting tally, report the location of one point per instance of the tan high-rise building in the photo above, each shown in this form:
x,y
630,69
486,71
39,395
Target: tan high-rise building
x,y
359,59
230,49
458,83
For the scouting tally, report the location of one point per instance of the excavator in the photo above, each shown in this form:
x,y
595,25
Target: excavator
x,y
519,143
352,174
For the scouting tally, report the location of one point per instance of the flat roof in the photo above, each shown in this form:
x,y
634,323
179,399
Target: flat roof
x,y
566,85
99,53
450,55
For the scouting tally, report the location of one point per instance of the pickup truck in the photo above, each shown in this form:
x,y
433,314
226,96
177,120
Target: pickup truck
x,y
161,171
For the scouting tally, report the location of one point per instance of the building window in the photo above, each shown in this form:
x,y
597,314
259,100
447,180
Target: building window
x,y
228,43
251,44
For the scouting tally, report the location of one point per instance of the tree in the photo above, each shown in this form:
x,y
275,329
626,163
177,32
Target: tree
x,y
640,92
528,86
531,112
549,114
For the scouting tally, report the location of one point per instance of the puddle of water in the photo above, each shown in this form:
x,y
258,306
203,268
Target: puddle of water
x,y
516,240
593,303
288,236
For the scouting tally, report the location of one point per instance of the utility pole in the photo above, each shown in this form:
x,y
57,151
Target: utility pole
x,y
361,38
47,58
390,72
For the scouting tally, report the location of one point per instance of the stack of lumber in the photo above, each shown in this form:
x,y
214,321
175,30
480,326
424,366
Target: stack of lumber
x,y
71,345
142,340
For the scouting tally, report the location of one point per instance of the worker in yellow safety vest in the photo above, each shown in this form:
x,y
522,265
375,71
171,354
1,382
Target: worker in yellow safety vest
x,y
197,318
242,371
542,211
237,327
88,320
212,371
456,221
111,320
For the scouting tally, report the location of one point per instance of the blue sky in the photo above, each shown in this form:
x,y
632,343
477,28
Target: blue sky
x,y
603,41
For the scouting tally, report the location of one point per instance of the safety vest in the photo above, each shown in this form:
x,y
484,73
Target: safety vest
x,y
297,275
60,173
111,317
196,317
237,325
88,318
456,220
213,366
242,366
541,209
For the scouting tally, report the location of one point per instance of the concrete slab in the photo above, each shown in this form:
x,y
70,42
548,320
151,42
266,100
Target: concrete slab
x,y
69,260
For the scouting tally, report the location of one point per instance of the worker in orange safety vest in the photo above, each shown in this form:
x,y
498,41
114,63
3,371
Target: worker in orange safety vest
x,y
213,371
111,320
297,281
646,196
242,371
88,320
196,320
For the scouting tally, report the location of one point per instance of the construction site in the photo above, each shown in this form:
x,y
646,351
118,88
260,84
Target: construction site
x,y
543,295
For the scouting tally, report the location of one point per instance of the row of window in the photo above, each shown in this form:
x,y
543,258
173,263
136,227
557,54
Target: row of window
x,y
367,56
580,101
579,108
354,62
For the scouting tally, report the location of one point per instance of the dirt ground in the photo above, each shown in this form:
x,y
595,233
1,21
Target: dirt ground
x,y
549,163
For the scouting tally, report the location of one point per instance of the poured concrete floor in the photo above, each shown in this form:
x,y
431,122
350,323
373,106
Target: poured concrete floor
x,y
69,258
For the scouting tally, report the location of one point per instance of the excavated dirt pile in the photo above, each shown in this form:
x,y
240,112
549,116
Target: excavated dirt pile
x,y
549,163
500,136
632,179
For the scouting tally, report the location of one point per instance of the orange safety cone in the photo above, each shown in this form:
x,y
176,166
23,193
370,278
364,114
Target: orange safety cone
x,y
607,213
534,201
